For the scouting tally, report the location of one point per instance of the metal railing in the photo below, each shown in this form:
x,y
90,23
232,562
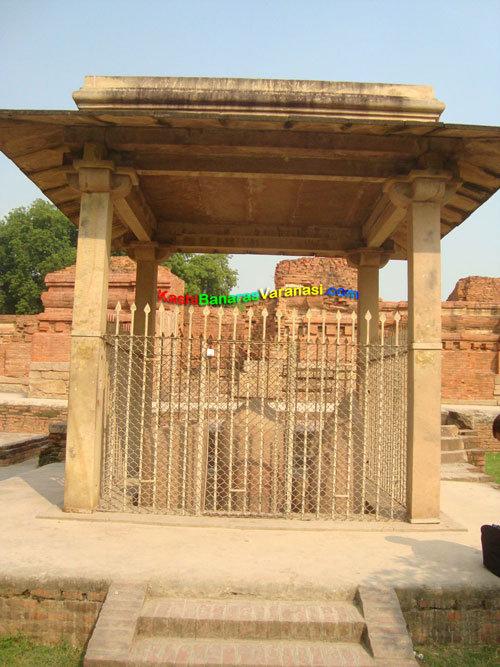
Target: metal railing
x,y
293,423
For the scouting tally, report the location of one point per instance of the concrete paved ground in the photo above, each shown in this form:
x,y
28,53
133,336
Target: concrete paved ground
x,y
202,556
18,468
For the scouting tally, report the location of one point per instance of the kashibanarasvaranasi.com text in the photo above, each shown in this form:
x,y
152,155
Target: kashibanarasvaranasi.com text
x,y
207,300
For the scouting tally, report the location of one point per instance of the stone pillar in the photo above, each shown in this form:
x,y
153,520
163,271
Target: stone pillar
x,y
423,194
368,262
143,441
145,285
94,178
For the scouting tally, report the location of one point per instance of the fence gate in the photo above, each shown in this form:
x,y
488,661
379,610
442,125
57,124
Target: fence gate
x,y
267,417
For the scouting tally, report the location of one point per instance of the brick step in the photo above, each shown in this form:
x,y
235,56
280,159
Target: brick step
x,y
451,444
250,619
248,631
454,456
449,430
246,653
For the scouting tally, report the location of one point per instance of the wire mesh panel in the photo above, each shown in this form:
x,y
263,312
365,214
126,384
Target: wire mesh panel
x,y
292,420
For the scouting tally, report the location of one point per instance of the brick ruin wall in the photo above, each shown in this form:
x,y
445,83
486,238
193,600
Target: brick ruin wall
x,y
476,288
55,610
34,349
16,339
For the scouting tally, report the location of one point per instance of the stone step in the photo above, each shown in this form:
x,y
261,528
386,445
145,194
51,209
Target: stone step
x,y
454,456
449,430
467,433
460,472
250,619
135,629
246,653
449,444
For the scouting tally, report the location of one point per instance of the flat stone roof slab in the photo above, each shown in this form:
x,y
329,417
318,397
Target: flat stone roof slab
x,y
336,98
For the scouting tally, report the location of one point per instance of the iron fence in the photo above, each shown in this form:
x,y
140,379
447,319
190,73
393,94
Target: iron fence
x,y
281,421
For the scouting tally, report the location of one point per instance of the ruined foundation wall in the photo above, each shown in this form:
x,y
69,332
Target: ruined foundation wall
x,y
16,338
50,611
34,349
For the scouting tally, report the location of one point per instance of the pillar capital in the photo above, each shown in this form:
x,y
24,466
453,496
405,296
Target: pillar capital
x,y
422,186
147,251
373,257
101,176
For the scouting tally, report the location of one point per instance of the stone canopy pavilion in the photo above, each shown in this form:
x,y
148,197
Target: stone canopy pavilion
x,y
156,165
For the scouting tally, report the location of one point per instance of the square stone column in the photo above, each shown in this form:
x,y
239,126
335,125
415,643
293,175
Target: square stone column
x,y
94,178
368,262
143,446
423,196
145,254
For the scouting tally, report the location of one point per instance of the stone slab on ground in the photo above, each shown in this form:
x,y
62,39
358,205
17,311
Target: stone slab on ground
x,y
251,524
18,447
12,438
8,398
463,472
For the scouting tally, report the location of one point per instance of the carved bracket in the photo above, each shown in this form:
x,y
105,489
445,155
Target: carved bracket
x,y
376,257
99,176
421,186
149,251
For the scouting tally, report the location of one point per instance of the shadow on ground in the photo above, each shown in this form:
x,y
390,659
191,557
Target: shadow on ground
x,y
426,556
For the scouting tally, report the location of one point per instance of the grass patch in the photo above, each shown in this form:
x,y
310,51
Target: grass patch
x,y
459,656
19,651
492,465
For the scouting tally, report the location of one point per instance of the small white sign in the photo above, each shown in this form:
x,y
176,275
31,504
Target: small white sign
x,y
210,352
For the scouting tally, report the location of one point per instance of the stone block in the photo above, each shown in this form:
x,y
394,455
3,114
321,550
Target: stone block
x,y
49,366
58,427
460,419
44,388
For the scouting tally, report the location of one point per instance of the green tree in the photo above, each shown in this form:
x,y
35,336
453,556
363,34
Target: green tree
x,y
34,241
38,239
208,274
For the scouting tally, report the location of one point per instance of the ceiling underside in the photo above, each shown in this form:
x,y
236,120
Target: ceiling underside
x,y
239,183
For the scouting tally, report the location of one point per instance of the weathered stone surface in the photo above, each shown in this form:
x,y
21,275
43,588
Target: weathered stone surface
x,y
263,450
460,419
337,98
48,388
55,450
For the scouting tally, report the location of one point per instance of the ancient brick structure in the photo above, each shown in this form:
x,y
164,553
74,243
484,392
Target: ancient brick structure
x,y
55,449
58,611
476,288
16,336
309,271
34,349
49,368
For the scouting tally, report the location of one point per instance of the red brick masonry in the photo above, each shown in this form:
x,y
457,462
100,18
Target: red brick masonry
x,y
50,612
470,317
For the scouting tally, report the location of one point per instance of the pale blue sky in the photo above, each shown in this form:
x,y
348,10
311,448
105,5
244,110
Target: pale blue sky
x,y
47,47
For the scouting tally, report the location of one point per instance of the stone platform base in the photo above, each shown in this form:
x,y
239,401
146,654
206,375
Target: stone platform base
x,y
20,447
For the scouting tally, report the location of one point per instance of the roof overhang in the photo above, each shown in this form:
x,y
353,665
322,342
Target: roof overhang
x,y
278,178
